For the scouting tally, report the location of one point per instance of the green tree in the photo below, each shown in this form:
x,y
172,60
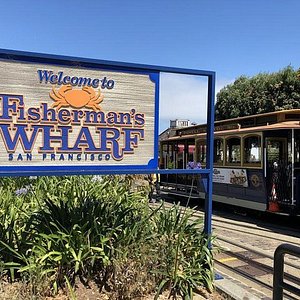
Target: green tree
x,y
264,92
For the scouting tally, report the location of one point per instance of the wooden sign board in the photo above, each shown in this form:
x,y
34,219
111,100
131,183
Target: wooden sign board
x,y
68,116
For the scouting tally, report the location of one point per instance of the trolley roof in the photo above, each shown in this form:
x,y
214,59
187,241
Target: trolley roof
x,y
285,119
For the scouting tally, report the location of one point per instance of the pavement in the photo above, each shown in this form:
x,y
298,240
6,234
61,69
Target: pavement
x,y
236,290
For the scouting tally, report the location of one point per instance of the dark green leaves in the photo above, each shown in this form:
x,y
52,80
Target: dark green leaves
x,y
262,93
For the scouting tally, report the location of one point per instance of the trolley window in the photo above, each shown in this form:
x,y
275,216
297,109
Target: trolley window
x,y
171,156
191,151
233,150
180,156
218,151
164,156
201,151
252,150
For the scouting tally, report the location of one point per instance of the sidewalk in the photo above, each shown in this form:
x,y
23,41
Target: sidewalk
x,y
237,290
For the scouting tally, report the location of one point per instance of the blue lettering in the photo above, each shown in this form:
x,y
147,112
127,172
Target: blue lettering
x,y
46,112
95,83
112,118
94,117
53,79
131,138
44,75
74,80
60,75
103,85
21,112
64,116
84,139
10,104
139,120
33,114
110,84
66,80
84,81
124,119
76,115
59,78
113,140
62,138
19,136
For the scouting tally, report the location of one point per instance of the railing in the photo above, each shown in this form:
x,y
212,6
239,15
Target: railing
x,y
278,284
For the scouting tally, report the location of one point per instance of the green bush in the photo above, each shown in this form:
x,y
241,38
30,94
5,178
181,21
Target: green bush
x,y
57,230
185,260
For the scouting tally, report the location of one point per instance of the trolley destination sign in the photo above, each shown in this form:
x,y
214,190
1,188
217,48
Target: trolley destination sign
x,y
57,116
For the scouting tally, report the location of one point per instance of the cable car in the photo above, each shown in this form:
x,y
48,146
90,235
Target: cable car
x,y
256,161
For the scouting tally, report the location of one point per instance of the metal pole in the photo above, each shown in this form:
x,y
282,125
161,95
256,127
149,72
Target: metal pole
x,y
265,158
278,274
210,152
293,165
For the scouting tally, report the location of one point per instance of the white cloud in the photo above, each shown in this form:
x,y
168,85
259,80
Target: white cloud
x,y
184,97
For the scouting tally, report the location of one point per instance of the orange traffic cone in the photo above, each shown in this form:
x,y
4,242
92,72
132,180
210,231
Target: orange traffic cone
x,y
273,206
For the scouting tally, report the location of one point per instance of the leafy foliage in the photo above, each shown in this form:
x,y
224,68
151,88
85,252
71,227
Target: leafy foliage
x,y
262,93
56,231
185,261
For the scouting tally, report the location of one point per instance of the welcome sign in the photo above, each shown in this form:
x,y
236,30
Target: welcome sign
x,y
91,117
62,115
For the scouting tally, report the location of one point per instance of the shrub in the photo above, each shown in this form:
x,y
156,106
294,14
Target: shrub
x,y
184,258
56,230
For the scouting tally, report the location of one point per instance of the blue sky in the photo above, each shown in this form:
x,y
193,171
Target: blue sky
x,y
232,38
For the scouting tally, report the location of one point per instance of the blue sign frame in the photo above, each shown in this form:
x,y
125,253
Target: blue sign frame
x,y
8,55
154,74
152,167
